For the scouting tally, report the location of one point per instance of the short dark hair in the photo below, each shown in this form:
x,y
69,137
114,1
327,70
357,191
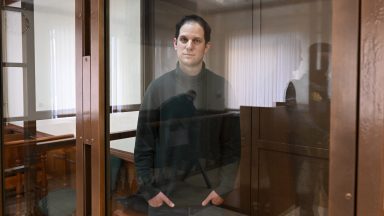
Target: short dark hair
x,y
197,19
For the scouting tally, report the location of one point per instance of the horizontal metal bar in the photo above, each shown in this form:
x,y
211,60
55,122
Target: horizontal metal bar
x,y
122,135
49,114
14,9
56,144
14,169
14,119
124,108
42,115
14,64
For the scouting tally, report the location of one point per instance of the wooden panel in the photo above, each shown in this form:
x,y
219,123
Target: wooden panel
x,y
288,180
272,120
370,200
240,198
289,166
276,183
295,125
345,35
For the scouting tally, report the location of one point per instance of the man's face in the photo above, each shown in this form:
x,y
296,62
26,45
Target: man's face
x,y
190,45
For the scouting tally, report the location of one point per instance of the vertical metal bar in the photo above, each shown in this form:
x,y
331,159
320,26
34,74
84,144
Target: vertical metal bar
x,y
80,152
86,85
28,47
254,112
343,132
1,117
87,135
245,162
86,27
255,128
147,26
87,179
98,107
29,96
107,108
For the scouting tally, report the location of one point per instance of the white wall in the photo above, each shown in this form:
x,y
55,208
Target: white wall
x,y
260,62
125,52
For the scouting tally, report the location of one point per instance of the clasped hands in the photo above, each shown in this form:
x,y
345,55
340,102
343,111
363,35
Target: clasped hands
x,y
161,198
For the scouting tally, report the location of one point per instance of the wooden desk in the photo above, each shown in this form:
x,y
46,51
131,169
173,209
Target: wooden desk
x,y
124,149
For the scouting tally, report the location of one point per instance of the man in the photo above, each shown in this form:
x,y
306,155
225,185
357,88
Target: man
x,y
187,146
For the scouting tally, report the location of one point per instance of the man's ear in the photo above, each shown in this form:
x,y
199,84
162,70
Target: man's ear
x,y
207,47
175,43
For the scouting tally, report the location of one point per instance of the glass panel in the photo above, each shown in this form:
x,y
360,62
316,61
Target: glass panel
x,y
12,37
39,143
264,76
55,70
294,69
13,92
125,72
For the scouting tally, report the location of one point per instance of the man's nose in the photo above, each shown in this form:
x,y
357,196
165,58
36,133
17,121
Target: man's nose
x,y
189,44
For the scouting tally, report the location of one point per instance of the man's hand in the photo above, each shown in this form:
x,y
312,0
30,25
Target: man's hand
x,y
214,198
159,199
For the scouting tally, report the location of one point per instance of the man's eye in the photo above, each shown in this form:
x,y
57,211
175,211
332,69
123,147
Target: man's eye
x,y
197,41
183,40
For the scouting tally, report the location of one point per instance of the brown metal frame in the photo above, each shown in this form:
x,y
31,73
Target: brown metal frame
x,y
90,124
79,35
147,26
370,188
98,111
1,119
343,137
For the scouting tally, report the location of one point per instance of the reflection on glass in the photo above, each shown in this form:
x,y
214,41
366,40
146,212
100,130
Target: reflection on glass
x,y
38,144
273,57
296,52
54,44
125,75
203,151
